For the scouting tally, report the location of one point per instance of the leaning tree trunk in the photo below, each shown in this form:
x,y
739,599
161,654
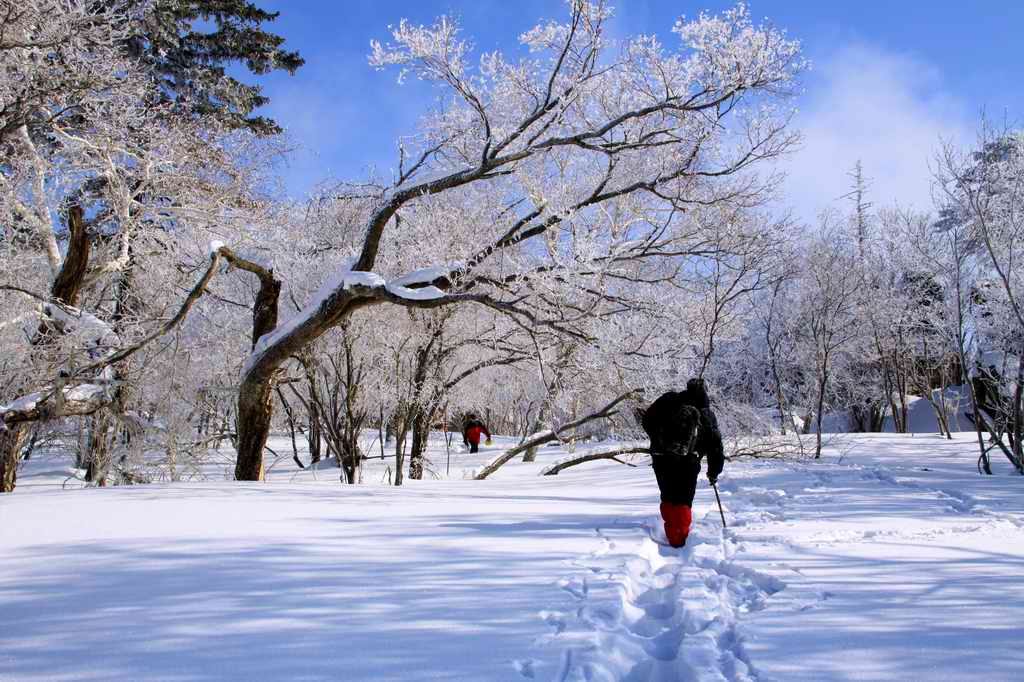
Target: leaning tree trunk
x,y
941,418
984,461
12,439
553,434
255,394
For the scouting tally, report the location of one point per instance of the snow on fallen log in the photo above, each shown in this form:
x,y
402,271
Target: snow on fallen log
x,y
604,451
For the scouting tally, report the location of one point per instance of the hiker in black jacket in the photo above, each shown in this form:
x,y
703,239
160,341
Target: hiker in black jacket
x,y
683,429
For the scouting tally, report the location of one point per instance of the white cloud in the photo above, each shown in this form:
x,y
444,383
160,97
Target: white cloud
x,y
885,109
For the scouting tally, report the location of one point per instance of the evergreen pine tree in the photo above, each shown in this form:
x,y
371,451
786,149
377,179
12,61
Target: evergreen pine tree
x,y
189,44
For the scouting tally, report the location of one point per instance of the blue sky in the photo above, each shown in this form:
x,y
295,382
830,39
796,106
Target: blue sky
x,y
889,80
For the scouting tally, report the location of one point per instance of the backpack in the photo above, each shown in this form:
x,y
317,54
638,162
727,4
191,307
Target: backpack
x,y
672,424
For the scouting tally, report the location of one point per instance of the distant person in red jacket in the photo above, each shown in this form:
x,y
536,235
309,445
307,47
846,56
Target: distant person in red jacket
x,y
472,427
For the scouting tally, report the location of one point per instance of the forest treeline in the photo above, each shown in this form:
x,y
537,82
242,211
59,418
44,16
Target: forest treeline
x,y
573,229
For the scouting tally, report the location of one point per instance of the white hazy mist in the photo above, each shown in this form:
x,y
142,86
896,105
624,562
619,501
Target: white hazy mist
x,y
888,110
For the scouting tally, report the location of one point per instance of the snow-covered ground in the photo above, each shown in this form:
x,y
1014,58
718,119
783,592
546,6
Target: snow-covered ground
x,y
892,561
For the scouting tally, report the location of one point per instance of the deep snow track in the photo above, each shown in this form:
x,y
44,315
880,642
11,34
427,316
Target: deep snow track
x,y
644,611
771,597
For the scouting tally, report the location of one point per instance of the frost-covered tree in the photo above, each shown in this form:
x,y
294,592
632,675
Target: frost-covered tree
x,y
564,164
829,308
981,192
110,189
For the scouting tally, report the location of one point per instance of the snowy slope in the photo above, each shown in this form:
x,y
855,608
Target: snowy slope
x,y
920,414
897,562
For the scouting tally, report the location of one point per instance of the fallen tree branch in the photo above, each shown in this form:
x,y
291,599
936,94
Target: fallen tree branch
x,y
550,435
593,455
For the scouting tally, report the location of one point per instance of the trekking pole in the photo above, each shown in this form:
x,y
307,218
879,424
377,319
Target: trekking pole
x,y
719,499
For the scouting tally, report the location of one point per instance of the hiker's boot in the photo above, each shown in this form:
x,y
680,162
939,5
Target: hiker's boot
x,y
674,533
684,517
677,522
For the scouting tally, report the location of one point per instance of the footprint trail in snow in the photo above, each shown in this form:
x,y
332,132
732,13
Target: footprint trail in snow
x,y
647,612
636,610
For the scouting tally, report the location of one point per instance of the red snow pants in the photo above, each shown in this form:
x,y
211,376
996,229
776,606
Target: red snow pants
x,y
677,519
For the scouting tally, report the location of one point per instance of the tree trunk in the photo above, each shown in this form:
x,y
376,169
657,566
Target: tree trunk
x,y
939,408
255,410
621,449
890,392
68,281
401,429
553,434
350,465
314,436
98,453
65,289
545,414
290,417
781,399
420,433
11,440
30,448
255,395
901,394
941,418
314,432
822,383
983,458
1018,414
858,418
878,418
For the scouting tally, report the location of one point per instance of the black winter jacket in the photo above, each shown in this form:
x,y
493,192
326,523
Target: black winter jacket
x,y
670,420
